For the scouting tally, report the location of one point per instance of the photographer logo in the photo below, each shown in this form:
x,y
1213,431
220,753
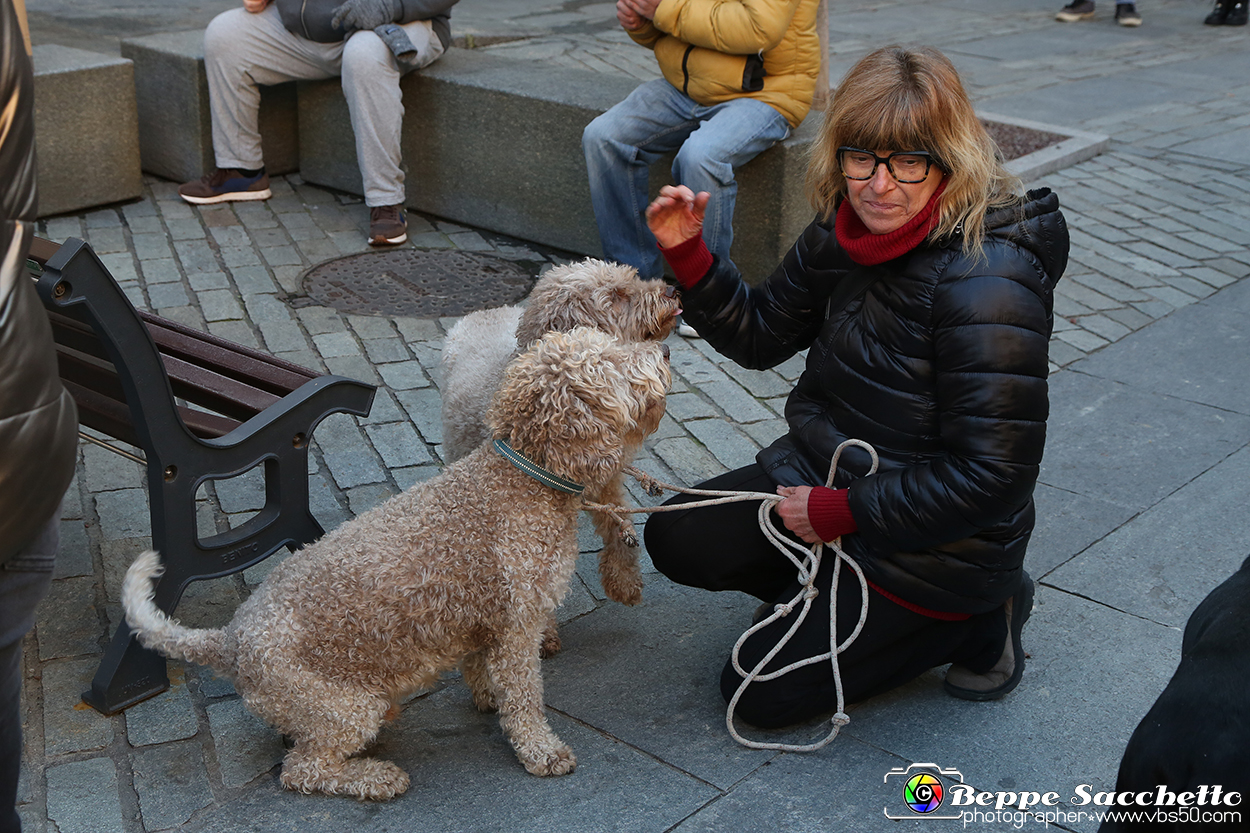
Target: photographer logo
x,y
922,789
923,793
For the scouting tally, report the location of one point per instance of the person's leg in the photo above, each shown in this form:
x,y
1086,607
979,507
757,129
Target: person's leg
x,y
620,146
895,646
10,731
720,547
242,51
733,134
371,85
24,581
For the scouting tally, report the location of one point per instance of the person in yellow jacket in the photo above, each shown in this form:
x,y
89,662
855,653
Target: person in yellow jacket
x,y
738,77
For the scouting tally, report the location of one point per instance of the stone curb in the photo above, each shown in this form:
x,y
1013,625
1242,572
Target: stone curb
x,y
1078,147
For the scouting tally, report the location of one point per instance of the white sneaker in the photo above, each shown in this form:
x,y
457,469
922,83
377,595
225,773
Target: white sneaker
x,y
686,331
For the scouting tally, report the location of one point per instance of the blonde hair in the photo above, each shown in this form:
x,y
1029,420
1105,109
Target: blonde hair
x,y
912,99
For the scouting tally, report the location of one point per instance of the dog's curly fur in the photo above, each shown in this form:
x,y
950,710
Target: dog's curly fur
x,y
464,568
592,293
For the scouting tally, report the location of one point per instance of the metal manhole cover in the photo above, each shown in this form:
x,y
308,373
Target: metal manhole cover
x,y
418,283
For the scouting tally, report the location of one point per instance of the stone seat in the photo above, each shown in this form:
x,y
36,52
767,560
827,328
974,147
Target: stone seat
x,y
86,129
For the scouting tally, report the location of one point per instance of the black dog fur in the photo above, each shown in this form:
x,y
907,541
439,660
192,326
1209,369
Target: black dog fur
x,y
1198,731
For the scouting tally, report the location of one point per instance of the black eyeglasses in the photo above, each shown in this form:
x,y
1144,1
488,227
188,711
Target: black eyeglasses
x,y
906,166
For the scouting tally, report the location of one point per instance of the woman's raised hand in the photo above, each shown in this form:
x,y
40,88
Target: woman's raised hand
x,y
676,215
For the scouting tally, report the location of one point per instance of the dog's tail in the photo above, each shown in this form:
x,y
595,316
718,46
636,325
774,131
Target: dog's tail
x,y
162,634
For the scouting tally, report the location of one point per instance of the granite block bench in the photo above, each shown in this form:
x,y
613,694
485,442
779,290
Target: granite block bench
x,y
86,129
201,408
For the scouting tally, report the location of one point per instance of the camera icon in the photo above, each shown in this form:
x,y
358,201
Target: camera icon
x,y
920,791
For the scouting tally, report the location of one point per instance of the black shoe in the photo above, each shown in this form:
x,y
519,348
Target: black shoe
x,y
1218,15
1227,13
1126,14
1076,10
1006,673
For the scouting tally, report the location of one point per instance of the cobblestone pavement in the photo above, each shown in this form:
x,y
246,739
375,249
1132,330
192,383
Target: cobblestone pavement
x,y
1159,225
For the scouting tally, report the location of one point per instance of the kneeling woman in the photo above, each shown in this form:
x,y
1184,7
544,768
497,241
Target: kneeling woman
x,y
940,364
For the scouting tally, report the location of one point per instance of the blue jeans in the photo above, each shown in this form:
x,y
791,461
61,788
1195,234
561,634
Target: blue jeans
x,y
622,144
24,581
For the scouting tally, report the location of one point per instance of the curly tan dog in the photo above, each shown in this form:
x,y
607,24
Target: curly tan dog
x,y
592,293
464,568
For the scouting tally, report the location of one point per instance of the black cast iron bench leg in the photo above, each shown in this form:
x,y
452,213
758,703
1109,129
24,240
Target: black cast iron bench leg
x,y
178,463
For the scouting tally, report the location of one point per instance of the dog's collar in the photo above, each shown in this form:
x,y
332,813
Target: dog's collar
x,y
536,471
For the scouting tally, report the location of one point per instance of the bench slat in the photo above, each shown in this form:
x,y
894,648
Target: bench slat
x,y
101,404
226,357
219,393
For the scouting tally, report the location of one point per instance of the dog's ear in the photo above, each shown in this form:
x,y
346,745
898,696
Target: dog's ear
x,y
557,302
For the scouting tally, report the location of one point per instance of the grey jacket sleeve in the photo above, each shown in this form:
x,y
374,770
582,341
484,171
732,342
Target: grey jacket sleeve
x,y
438,12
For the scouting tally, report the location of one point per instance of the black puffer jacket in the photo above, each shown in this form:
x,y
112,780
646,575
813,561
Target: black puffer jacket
x,y
941,365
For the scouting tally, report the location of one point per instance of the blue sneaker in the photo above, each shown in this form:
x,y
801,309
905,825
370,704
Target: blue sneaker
x,y
226,185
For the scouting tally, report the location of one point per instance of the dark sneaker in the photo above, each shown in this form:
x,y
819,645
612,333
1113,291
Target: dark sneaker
x,y
1219,14
1236,14
1126,14
226,185
1005,675
1076,10
387,226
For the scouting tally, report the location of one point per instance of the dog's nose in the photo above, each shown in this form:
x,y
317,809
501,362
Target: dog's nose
x,y
670,291
664,350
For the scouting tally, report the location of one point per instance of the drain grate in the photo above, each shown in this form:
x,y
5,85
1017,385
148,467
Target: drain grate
x,y
418,283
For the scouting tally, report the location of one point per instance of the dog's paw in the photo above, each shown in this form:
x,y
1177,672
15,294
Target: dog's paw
x,y
626,590
550,645
484,701
383,781
559,761
364,778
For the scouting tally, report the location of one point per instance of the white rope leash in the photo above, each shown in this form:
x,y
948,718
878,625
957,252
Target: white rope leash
x,y
807,562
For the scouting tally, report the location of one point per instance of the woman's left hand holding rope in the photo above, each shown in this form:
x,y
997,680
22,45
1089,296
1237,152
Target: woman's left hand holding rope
x,y
793,512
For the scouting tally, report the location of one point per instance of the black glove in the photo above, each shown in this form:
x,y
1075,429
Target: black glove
x,y
365,14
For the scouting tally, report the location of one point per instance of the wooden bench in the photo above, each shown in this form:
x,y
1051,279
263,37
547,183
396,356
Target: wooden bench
x,y
201,408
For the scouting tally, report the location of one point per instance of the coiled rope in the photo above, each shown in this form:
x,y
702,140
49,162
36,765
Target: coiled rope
x,y
807,562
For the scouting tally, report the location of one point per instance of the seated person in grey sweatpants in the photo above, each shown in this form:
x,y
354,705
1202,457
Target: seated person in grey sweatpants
x,y
370,43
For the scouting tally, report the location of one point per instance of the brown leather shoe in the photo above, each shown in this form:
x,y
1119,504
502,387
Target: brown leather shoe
x,y
387,226
1005,675
226,185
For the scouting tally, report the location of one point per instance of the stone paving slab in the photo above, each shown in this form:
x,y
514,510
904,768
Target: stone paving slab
x,y
670,648
466,776
1117,443
1205,346
1164,563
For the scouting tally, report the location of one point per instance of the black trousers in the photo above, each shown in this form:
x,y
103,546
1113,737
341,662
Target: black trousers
x,y
723,548
24,581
